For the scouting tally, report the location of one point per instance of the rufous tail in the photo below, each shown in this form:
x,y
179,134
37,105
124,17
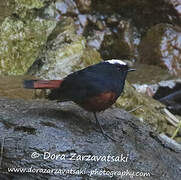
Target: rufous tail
x,y
42,84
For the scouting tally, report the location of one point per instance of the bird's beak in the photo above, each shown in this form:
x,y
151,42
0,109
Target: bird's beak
x,y
129,70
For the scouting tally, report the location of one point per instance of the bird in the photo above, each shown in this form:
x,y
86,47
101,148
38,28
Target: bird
x,y
94,88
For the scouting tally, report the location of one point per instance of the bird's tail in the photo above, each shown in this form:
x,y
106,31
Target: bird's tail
x,y
42,84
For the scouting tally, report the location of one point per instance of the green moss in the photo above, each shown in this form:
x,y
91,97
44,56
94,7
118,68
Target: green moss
x,y
149,110
26,9
62,52
90,56
21,42
30,4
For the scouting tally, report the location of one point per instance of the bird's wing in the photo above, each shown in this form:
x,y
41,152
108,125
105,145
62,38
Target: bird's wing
x,y
82,84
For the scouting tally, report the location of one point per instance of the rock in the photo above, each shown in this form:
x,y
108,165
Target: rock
x,y
165,88
26,9
96,39
144,14
84,5
143,107
177,6
112,20
167,92
7,8
172,101
64,53
120,43
169,143
161,88
30,4
21,42
119,31
83,19
161,46
81,23
113,36
22,36
90,56
28,129
65,7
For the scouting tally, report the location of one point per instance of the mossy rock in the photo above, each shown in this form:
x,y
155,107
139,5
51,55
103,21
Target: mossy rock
x,y
161,46
64,53
20,43
30,4
148,109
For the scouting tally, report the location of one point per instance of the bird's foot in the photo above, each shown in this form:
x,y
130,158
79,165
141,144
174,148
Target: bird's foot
x,y
102,130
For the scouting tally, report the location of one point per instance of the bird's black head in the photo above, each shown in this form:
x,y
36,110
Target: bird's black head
x,y
114,73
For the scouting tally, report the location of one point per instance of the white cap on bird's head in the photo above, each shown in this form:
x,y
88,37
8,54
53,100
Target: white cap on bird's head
x,y
120,62
116,61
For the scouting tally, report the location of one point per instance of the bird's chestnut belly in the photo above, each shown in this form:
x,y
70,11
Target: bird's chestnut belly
x,y
99,103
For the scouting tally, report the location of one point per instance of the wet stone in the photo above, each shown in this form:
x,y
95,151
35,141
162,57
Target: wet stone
x,y
84,6
30,127
161,46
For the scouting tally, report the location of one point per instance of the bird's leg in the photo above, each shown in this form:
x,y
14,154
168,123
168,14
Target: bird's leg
x,y
101,128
